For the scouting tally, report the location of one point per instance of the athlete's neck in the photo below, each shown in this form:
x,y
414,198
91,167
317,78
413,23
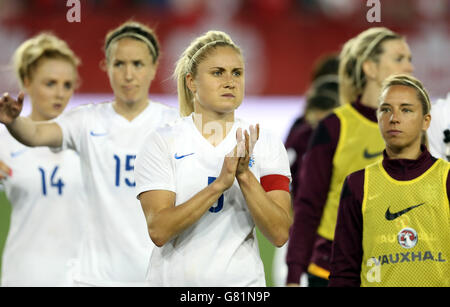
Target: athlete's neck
x,y
130,110
370,95
37,117
213,128
411,152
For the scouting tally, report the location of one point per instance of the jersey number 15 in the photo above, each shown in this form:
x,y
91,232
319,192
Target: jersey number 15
x,y
129,167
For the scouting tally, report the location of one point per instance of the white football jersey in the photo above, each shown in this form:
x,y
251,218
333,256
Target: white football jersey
x,y
440,121
221,248
46,222
116,246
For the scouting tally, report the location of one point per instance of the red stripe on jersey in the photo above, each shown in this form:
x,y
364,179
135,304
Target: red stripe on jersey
x,y
275,182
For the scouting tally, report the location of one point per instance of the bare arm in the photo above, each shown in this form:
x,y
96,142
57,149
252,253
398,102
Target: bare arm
x,y
25,130
271,211
165,221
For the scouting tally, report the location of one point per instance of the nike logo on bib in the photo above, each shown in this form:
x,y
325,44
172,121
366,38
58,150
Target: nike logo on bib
x,y
181,157
392,216
368,155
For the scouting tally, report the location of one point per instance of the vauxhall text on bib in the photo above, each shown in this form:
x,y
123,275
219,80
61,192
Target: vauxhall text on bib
x,y
406,230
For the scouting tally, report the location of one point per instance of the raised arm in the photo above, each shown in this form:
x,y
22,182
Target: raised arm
x,y
271,211
165,221
25,130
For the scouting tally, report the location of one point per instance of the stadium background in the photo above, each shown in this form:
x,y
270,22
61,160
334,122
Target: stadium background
x,y
281,40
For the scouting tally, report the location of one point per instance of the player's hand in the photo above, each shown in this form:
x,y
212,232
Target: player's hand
x,y
248,142
230,163
5,171
10,108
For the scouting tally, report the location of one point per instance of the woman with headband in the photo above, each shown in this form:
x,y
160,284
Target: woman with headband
x,y
345,141
393,225
42,186
107,136
204,184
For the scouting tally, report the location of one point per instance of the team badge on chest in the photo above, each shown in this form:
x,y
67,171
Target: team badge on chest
x,y
251,161
407,238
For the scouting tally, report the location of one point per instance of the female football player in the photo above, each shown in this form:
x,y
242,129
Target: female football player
x,y
42,186
107,136
206,181
393,225
345,141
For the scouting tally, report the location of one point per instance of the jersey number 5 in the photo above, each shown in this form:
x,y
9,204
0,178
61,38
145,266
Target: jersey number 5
x,y
215,209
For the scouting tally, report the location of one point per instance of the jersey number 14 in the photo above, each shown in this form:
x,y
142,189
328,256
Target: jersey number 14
x,y
54,182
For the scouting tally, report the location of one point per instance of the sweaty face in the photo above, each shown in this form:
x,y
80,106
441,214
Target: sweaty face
x,y
50,87
218,85
396,59
130,70
401,119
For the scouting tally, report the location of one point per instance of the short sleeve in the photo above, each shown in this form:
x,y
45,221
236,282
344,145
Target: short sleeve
x,y
72,123
153,169
274,159
434,135
440,121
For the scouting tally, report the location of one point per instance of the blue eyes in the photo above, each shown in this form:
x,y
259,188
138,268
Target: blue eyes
x,y
67,85
384,110
219,73
401,58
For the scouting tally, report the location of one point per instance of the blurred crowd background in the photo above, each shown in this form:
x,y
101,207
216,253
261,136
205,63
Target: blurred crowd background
x,y
281,39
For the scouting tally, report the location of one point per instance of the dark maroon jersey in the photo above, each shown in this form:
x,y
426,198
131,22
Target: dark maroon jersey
x,y
305,246
347,249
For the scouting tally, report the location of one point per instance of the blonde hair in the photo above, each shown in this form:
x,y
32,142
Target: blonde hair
x,y
43,46
188,63
409,81
365,46
135,30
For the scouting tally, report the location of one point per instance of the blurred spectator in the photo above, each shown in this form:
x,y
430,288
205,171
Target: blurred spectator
x,y
152,4
321,98
10,8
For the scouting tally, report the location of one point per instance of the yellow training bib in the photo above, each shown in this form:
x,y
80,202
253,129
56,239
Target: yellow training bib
x,y
406,229
360,144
